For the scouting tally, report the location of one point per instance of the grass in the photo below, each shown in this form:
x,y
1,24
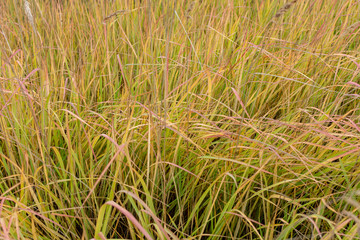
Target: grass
x,y
180,119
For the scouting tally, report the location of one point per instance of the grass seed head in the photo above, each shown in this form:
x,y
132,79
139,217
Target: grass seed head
x,y
285,8
28,13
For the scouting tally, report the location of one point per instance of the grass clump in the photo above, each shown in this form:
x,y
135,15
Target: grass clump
x,y
179,119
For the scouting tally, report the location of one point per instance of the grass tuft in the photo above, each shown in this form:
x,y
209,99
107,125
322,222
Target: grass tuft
x,y
179,119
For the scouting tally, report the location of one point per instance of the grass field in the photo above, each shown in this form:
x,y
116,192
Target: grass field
x,y
207,119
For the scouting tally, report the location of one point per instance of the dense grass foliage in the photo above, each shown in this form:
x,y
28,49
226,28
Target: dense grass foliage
x,y
213,119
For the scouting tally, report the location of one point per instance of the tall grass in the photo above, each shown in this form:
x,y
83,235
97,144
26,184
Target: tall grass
x,y
180,119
